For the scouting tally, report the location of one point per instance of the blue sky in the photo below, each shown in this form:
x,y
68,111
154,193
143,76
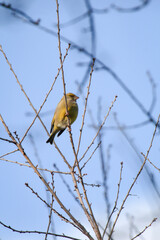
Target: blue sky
x,y
128,43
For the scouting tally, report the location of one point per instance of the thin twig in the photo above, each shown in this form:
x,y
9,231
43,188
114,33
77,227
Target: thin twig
x,y
6,154
154,220
50,214
6,140
132,9
86,74
49,206
91,155
104,167
90,216
106,177
42,114
85,107
133,183
36,232
92,27
39,162
132,126
154,93
133,227
106,233
67,186
27,165
92,142
92,185
20,12
151,162
115,205
75,20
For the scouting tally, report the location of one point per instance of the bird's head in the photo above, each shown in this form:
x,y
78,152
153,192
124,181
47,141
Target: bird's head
x,y
72,96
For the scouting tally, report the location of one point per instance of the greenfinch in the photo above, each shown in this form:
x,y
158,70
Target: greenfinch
x,y
60,122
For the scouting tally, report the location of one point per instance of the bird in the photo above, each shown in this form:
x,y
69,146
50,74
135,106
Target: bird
x,y
60,120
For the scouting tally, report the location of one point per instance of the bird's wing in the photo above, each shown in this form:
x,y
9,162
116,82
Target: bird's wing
x,y
52,125
56,113
62,114
59,115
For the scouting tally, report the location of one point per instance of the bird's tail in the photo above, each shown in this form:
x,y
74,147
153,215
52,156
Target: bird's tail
x,y
51,138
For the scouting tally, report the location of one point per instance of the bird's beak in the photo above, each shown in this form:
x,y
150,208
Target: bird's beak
x,y
76,97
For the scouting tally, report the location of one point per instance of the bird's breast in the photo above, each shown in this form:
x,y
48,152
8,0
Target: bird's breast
x,y
73,112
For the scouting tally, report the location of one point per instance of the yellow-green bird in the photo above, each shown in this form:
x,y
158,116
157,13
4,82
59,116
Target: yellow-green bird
x,y
60,122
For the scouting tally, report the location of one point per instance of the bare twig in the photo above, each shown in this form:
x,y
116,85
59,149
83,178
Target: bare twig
x,y
42,114
154,95
6,154
91,27
151,162
67,186
6,140
154,220
146,156
81,17
104,167
85,107
132,9
50,217
115,205
19,12
50,214
31,138
132,126
106,233
92,185
49,206
133,226
86,74
39,162
75,20
91,155
92,142
27,165
83,97
90,216
105,171
36,232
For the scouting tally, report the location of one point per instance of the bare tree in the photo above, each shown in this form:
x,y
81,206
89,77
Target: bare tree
x,y
76,164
